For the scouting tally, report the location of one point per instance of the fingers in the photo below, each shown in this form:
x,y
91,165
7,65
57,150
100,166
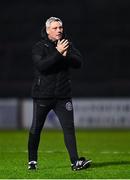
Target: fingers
x,y
66,45
63,42
62,45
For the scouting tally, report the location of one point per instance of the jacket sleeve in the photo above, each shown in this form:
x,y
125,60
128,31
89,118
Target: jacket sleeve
x,y
42,61
74,58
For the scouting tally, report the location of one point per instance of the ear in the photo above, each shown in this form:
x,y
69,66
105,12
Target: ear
x,y
47,30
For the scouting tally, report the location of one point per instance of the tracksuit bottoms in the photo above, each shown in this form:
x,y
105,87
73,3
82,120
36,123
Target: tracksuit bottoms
x,y
64,111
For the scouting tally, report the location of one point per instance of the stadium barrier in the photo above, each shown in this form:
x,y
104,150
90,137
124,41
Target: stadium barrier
x,y
88,113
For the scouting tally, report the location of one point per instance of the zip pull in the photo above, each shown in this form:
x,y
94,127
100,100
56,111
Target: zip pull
x,y
39,81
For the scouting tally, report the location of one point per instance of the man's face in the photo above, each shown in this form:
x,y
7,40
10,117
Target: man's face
x,y
55,31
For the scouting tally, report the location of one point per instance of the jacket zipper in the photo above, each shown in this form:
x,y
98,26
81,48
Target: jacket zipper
x,y
39,81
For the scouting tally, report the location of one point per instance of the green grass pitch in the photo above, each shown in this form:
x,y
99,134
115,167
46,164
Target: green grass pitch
x,y
108,149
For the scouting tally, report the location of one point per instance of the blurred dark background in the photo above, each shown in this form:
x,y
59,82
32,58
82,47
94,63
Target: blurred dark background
x,y
100,29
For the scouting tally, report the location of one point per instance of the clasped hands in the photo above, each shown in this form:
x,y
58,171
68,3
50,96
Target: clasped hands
x,y
62,46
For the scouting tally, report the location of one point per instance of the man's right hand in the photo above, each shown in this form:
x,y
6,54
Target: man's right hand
x,y
62,46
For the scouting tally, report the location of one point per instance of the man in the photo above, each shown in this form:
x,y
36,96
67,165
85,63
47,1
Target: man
x,y
52,56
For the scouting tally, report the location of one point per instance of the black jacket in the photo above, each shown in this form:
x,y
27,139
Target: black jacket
x,y
51,69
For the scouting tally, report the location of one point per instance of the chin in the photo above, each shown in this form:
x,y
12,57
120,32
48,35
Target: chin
x,y
59,37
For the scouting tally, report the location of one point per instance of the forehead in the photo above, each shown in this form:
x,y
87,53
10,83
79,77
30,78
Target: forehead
x,y
55,24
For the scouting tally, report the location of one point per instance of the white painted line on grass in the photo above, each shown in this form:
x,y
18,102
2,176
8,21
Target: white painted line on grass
x,y
86,152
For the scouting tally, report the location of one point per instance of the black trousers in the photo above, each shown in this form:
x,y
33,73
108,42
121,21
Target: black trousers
x,y
64,111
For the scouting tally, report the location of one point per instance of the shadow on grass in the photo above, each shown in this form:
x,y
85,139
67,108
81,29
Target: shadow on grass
x,y
102,164
93,165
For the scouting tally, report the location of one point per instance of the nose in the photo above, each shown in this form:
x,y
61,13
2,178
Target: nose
x,y
59,30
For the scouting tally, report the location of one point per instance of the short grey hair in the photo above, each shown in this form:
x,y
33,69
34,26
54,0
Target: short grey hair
x,y
52,19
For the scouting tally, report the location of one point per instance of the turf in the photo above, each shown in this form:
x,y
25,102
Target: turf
x,y
108,149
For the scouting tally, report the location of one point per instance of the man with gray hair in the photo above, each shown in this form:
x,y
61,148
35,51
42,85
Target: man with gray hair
x,y
53,56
